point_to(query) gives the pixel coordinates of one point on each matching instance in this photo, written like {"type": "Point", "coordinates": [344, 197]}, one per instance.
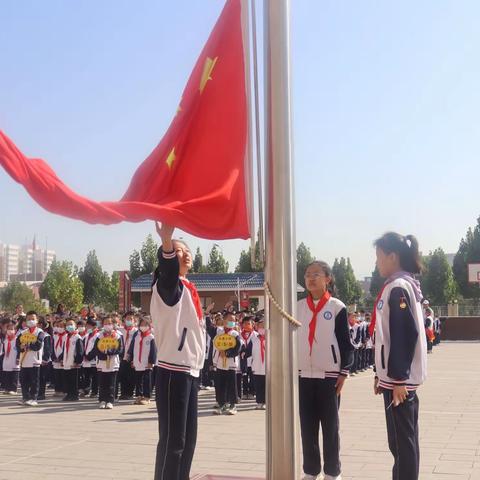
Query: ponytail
{"type": "Point", "coordinates": [406, 247]}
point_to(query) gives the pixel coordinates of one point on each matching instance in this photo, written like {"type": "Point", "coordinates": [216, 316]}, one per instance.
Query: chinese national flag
{"type": "Point", "coordinates": [195, 179]}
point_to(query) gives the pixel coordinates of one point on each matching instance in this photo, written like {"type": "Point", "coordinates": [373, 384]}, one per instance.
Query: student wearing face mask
{"type": "Point", "coordinates": [11, 360]}
{"type": "Point", "coordinates": [89, 365]}
{"type": "Point", "coordinates": [247, 333]}
{"type": "Point", "coordinates": [143, 354]}
{"type": "Point", "coordinates": [256, 353]}
{"type": "Point", "coordinates": [58, 341]}
{"type": "Point", "coordinates": [325, 355]}
{"type": "Point", "coordinates": [400, 348]}
{"type": "Point", "coordinates": [72, 359]}
{"type": "Point", "coordinates": [108, 348]}
{"type": "Point", "coordinates": [126, 374]}
{"type": "Point", "coordinates": [226, 363]}
{"type": "Point", "coordinates": [30, 347]}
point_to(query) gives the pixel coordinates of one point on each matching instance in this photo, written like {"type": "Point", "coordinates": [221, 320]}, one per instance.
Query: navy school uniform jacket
{"type": "Point", "coordinates": [231, 353]}
{"type": "Point", "coordinates": [149, 351]}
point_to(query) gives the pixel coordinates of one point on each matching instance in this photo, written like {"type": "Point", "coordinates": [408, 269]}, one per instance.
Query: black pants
{"type": "Point", "coordinates": [226, 387]}
{"type": "Point", "coordinates": [59, 382]}
{"type": "Point", "coordinates": [126, 378]}
{"type": "Point", "coordinates": [10, 381]}
{"type": "Point", "coordinates": [177, 407]}
{"type": "Point", "coordinates": [319, 405]}
{"type": "Point", "coordinates": [238, 387]}
{"type": "Point", "coordinates": [402, 431]}
{"type": "Point", "coordinates": [248, 383]}
{"type": "Point", "coordinates": [71, 383]}
{"type": "Point", "coordinates": [44, 374]}
{"type": "Point", "coordinates": [207, 374]}
{"type": "Point", "coordinates": [143, 383]}
{"type": "Point", "coordinates": [106, 386]}
{"type": "Point", "coordinates": [29, 380]}
{"type": "Point", "coordinates": [259, 388]}
{"type": "Point", "coordinates": [89, 381]}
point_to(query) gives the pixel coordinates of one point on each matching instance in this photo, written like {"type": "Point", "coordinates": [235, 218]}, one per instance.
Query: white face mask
{"type": "Point", "coordinates": [31, 323]}
{"type": "Point", "coordinates": [11, 333]}
{"type": "Point", "coordinates": [261, 331]}
{"type": "Point", "coordinates": [81, 329]}
{"type": "Point", "coordinates": [144, 328]}
{"type": "Point", "coordinates": [108, 328]}
{"type": "Point", "coordinates": [60, 330]}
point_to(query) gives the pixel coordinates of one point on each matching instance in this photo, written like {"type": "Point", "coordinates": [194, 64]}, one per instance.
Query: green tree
{"type": "Point", "coordinates": [18, 293]}
{"type": "Point", "coordinates": [348, 288]}
{"type": "Point", "coordinates": [376, 284]}
{"type": "Point", "coordinates": [245, 262]}
{"type": "Point", "coordinates": [97, 284]}
{"type": "Point", "coordinates": [304, 259]}
{"type": "Point", "coordinates": [135, 265]}
{"type": "Point", "coordinates": [216, 261]}
{"type": "Point", "coordinates": [110, 301]}
{"type": "Point", "coordinates": [468, 252]}
{"type": "Point", "coordinates": [438, 282]}
{"type": "Point", "coordinates": [148, 254]}
{"type": "Point", "coordinates": [62, 285]}
{"type": "Point", "coordinates": [198, 266]}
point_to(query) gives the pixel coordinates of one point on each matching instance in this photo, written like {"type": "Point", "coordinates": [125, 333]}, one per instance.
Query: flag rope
{"type": "Point", "coordinates": [280, 309]}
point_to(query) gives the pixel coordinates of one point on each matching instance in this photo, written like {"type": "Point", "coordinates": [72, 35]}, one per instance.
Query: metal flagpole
{"type": "Point", "coordinates": [282, 371]}
{"type": "Point", "coordinates": [261, 240]}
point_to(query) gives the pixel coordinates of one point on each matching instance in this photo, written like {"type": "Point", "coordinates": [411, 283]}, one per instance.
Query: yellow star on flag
{"type": "Point", "coordinates": [208, 67]}
{"type": "Point", "coordinates": [171, 158]}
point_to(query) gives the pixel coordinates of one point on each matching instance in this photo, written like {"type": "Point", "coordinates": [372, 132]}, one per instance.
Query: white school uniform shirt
{"type": "Point", "coordinates": [10, 362]}
{"type": "Point", "coordinates": [57, 348]}
{"type": "Point", "coordinates": [88, 343]}
{"type": "Point", "coordinates": [229, 363]}
{"type": "Point", "coordinates": [127, 338]}
{"type": "Point", "coordinates": [258, 365]}
{"type": "Point", "coordinates": [113, 363]}
{"type": "Point", "coordinates": [68, 358]}
{"type": "Point", "coordinates": [140, 364]}
{"type": "Point", "coordinates": [31, 358]}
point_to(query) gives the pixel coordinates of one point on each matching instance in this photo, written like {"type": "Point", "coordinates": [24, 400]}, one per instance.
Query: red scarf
{"type": "Point", "coordinates": [9, 344]}
{"type": "Point", "coordinates": [60, 339]}
{"type": "Point", "coordinates": [262, 347]}
{"type": "Point", "coordinates": [227, 330]}
{"type": "Point", "coordinates": [142, 336]}
{"type": "Point", "coordinates": [371, 327]}
{"type": "Point", "coordinates": [69, 336]}
{"type": "Point", "coordinates": [195, 298]}
{"type": "Point", "coordinates": [246, 335]}
{"type": "Point", "coordinates": [127, 329]}
{"type": "Point", "coordinates": [315, 310]}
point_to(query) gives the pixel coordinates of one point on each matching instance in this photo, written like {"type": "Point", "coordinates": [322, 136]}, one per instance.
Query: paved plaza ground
{"type": "Point", "coordinates": [78, 441]}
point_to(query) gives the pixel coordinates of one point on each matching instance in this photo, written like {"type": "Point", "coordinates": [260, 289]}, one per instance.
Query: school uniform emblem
{"type": "Point", "coordinates": [403, 303]}
{"type": "Point", "coordinates": [380, 305]}
{"type": "Point", "coordinates": [327, 315]}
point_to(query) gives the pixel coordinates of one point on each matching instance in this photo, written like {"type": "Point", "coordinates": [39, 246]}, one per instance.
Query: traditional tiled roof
{"type": "Point", "coordinates": [211, 281]}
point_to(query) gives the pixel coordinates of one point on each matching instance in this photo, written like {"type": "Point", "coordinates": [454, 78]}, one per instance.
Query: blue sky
{"type": "Point", "coordinates": [386, 124]}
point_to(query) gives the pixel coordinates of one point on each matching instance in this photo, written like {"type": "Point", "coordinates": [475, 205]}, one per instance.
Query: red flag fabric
{"type": "Point", "coordinates": [195, 177]}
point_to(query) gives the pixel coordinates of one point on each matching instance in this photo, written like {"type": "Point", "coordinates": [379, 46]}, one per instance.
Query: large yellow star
{"type": "Point", "coordinates": [208, 67]}
{"type": "Point", "coordinates": [171, 158]}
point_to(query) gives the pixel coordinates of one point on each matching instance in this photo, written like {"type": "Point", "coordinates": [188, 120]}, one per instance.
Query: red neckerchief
{"type": "Point", "coordinates": [227, 330]}
{"type": "Point", "coordinates": [60, 339]}
{"type": "Point", "coordinates": [195, 297]}
{"type": "Point", "coordinates": [128, 329]}
{"type": "Point", "coordinates": [262, 346]}
{"type": "Point", "coordinates": [142, 336]}
{"type": "Point", "coordinates": [371, 327]}
{"type": "Point", "coordinates": [69, 336]}
{"type": "Point", "coordinates": [315, 310]}
{"type": "Point", "coordinates": [32, 329]}
{"type": "Point", "coordinates": [92, 333]}
{"type": "Point", "coordinates": [9, 344]}
{"type": "Point", "coordinates": [246, 335]}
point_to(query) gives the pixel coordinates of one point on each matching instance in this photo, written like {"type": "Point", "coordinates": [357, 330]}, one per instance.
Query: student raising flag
{"type": "Point", "coordinates": [195, 178]}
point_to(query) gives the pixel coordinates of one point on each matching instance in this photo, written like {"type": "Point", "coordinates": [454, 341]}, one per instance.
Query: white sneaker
{"type": "Point", "coordinates": [311, 477]}
{"type": "Point", "coordinates": [258, 406]}
{"type": "Point", "coordinates": [102, 405]}
{"type": "Point", "coordinates": [217, 411]}
{"type": "Point", "coordinates": [232, 410]}
{"type": "Point", "coordinates": [331, 477]}
{"type": "Point", "coordinates": [264, 407]}
{"type": "Point", "coordinates": [109, 406]}
{"type": "Point", "coordinates": [11, 393]}
{"type": "Point", "coordinates": [22, 402]}
{"type": "Point", "coordinates": [33, 403]}
{"type": "Point", "coordinates": [209, 388]}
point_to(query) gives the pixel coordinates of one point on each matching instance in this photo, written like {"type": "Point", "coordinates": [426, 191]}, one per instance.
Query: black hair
{"type": "Point", "coordinates": [248, 319]}
{"type": "Point", "coordinates": [92, 322]}
{"type": "Point", "coordinates": [31, 312]}
{"type": "Point", "coordinates": [406, 247]}
{"type": "Point", "coordinates": [129, 313]}
{"type": "Point", "coordinates": [328, 273]}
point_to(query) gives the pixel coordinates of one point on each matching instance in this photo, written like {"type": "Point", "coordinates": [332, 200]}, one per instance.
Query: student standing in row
{"type": "Point", "coordinates": [400, 348]}
{"type": "Point", "coordinates": [11, 361]}
{"type": "Point", "coordinates": [89, 364]}
{"type": "Point", "coordinates": [325, 355]}
{"type": "Point", "coordinates": [256, 353]}
{"type": "Point", "coordinates": [58, 341]}
{"type": "Point", "coordinates": [126, 374]}
{"type": "Point", "coordinates": [30, 346]}
{"type": "Point", "coordinates": [72, 359]}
